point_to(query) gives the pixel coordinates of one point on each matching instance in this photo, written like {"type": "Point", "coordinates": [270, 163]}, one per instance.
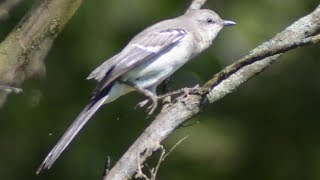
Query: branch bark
{"type": "Point", "coordinates": [304, 31]}
{"type": "Point", "coordinates": [196, 4]}
{"type": "Point", "coordinates": [23, 51]}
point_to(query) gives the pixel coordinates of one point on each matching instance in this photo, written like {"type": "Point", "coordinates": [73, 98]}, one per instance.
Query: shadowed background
{"type": "Point", "coordinates": [267, 129]}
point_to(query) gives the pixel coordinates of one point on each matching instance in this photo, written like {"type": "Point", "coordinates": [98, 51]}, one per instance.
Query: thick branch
{"type": "Point", "coordinates": [301, 33]}
{"type": "Point", "coordinates": [24, 49]}
{"type": "Point", "coordinates": [234, 75]}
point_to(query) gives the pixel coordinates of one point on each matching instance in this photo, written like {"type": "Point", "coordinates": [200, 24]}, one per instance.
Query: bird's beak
{"type": "Point", "coordinates": [228, 23]}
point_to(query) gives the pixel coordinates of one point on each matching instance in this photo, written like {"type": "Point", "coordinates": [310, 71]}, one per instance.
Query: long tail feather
{"type": "Point", "coordinates": [73, 130]}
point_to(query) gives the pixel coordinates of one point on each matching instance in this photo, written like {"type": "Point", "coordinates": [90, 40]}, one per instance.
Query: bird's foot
{"type": "Point", "coordinates": [142, 104]}
{"type": "Point", "coordinates": [154, 99]}
{"type": "Point", "coordinates": [152, 107]}
{"type": "Point", "coordinates": [185, 91]}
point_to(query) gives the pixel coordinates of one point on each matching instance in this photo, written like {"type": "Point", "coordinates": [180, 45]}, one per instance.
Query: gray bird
{"type": "Point", "coordinates": [150, 57]}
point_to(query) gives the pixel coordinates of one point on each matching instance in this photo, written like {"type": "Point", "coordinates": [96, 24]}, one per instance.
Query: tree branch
{"type": "Point", "coordinates": [300, 33]}
{"type": "Point", "coordinates": [23, 51]}
{"type": "Point", "coordinates": [197, 4]}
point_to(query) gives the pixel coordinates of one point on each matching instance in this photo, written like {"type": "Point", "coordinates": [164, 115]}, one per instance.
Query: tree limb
{"type": "Point", "coordinates": [23, 51]}
{"type": "Point", "coordinates": [302, 32]}
{"type": "Point", "coordinates": [197, 4]}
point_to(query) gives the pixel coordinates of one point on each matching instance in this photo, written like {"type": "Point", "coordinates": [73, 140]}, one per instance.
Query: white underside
{"type": "Point", "coordinates": [150, 74]}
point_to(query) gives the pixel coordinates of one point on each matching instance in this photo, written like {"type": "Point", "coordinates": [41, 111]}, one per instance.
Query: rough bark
{"type": "Point", "coordinates": [23, 51]}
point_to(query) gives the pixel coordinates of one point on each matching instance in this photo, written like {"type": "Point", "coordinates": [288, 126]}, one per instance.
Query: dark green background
{"type": "Point", "coordinates": [267, 129]}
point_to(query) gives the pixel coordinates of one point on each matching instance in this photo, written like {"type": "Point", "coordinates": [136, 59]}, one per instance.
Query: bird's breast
{"type": "Point", "coordinates": [155, 70]}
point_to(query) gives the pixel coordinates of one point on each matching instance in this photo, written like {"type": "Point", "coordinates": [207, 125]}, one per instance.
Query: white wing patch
{"type": "Point", "coordinates": [153, 49]}
{"type": "Point", "coordinates": [163, 38]}
{"type": "Point", "coordinates": [171, 32]}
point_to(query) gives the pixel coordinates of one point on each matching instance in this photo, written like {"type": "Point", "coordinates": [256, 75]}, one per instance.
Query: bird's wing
{"type": "Point", "coordinates": [99, 73]}
{"type": "Point", "coordinates": [142, 48]}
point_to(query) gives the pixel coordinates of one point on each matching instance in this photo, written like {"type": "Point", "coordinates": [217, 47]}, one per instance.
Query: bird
{"type": "Point", "coordinates": [149, 58]}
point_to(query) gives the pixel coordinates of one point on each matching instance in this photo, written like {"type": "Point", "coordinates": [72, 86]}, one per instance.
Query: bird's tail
{"type": "Point", "coordinates": [68, 136]}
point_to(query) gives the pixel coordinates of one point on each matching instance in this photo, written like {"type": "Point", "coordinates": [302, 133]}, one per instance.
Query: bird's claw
{"type": "Point", "coordinates": [142, 104]}
{"type": "Point", "coordinates": [154, 99]}
{"type": "Point", "coordinates": [152, 107]}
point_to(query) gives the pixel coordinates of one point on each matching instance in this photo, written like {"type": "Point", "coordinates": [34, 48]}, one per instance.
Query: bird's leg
{"type": "Point", "coordinates": [185, 90]}
{"type": "Point", "coordinates": [10, 89]}
{"type": "Point", "coordinates": [165, 89]}
{"type": "Point", "coordinates": [151, 97]}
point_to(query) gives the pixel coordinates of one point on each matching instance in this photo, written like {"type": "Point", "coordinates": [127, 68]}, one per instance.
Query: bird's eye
{"type": "Point", "coordinates": [209, 21]}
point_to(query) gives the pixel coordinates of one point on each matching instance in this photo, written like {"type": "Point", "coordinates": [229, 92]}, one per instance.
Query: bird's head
{"type": "Point", "coordinates": [208, 21]}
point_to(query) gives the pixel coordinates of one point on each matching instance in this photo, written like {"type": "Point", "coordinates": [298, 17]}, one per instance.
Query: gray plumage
{"type": "Point", "coordinates": [149, 58]}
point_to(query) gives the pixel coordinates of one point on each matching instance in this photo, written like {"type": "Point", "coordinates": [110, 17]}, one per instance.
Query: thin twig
{"type": "Point", "coordinates": [161, 159]}
{"type": "Point", "coordinates": [175, 146]}
{"type": "Point", "coordinates": [140, 174]}
{"type": "Point", "coordinates": [164, 155]}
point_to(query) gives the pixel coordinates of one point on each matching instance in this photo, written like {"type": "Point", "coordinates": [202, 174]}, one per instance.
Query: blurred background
{"type": "Point", "coordinates": [267, 129]}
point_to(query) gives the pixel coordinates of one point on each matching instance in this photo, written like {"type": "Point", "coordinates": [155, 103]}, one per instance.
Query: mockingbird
{"type": "Point", "coordinates": [149, 58]}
